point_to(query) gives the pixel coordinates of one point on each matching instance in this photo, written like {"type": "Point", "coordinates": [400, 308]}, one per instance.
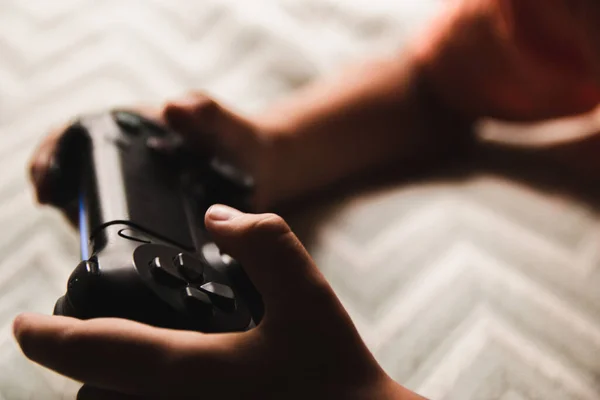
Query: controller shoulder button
{"type": "Point", "coordinates": [134, 124]}
{"type": "Point", "coordinates": [221, 295]}
{"type": "Point", "coordinates": [129, 122]}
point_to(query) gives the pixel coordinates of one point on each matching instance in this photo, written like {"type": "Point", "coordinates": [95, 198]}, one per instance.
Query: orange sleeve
{"type": "Point", "coordinates": [514, 59]}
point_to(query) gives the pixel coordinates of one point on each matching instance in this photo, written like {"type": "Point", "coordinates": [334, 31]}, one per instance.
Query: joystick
{"type": "Point", "coordinates": [146, 255]}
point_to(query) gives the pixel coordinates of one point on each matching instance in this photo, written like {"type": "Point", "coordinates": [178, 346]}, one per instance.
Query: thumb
{"type": "Point", "coordinates": [272, 256]}
{"type": "Point", "coordinates": [88, 392]}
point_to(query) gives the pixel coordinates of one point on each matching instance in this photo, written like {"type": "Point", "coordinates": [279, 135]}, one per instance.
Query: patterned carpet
{"type": "Point", "coordinates": [473, 286]}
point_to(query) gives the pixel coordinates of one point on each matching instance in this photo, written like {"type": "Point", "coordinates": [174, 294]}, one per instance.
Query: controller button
{"type": "Point", "coordinates": [130, 123]}
{"type": "Point", "coordinates": [221, 295]}
{"type": "Point", "coordinates": [198, 301]}
{"type": "Point", "coordinates": [226, 258]}
{"type": "Point", "coordinates": [213, 255]}
{"type": "Point", "coordinates": [164, 144]}
{"type": "Point", "coordinates": [189, 267]}
{"type": "Point", "coordinates": [164, 274]}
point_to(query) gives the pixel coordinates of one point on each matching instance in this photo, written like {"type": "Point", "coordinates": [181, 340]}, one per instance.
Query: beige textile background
{"type": "Point", "coordinates": [481, 287]}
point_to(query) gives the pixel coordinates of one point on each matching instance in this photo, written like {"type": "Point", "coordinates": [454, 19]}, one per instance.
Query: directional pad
{"type": "Point", "coordinates": [202, 293]}
{"type": "Point", "coordinates": [197, 301]}
{"type": "Point", "coordinates": [189, 267]}
{"type": "Point", "coordinates": [165, 273]}
{"type": "Point", "coordinates": [221, 295]}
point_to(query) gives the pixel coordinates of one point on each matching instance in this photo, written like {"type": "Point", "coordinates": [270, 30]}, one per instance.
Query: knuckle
{"type": "Point", "coordinates": [206, 107]}
{"type": "Point", "coordinates": [198, 96]}
{"type": "Point", "coordinates": [169, 108]}
{"type": "Point", "coordinates": [34, 169]}
{"type": "Point", "coordinates": [193, 103]}
{"type": "Point", "coordinates": [270, 224]}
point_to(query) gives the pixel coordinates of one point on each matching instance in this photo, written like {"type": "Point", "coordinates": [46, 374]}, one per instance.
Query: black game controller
{"type": "Point", "coordinates": [146, 254]}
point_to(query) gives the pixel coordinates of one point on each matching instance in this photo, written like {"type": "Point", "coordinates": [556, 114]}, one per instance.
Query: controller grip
{"type": "Point", "coordinates": [64, 307]}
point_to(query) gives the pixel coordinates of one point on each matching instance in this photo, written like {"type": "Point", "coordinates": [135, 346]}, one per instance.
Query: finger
{"type": "Point", "coordinates": [40, 171]}
{"type": "Point", "coordinates": [199, 119]}
{"type": "Point", "coordinates": [272, 256]}
{"type": "Point", "coordinates": [43, 167]}
{"type": "Point", "coordinates": [88, 392]}
{"type": "Point", "coordinates": [194, 116]}
{"type": "Point", "coordinates": [132, 358]}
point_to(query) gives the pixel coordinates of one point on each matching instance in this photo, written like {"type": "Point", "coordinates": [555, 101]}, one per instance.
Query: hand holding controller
{"type": "Point", "coordinates": [130, 197]}
{"type": "Point", "coordinates": [146, 254]}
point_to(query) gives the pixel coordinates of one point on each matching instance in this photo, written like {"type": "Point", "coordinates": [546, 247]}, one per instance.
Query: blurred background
{"type": "Point", "coordinates": [467, 286]}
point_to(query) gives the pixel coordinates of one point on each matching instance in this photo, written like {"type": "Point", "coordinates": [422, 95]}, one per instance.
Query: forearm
{"type": "Point", "coordinates": [374, 114]}
{"type": "Point", "coordinates": [505, 59]}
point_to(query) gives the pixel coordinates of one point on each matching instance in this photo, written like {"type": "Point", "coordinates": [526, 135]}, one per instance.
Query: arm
{"type": "Point", "coordinates": [480, 58]}
{"type": "Point", "coordinates": [373, 115]}
{"type": "Point", "coordinates": [517, 60]}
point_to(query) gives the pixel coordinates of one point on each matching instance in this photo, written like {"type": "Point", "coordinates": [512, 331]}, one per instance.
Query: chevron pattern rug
{"type": "Point", "coordinates": [478, 287]}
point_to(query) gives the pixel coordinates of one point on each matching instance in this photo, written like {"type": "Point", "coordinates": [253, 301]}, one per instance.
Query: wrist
{"type": "Point", "coordinates": [390, 114]}
{"type": "Point", "coordinates": [274, 181]}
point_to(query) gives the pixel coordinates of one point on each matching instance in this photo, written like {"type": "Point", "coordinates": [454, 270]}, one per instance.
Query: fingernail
{"type": "Point", "coordinates": [178, 116]}
{"type": "Point", "coordinates": [220, 212]}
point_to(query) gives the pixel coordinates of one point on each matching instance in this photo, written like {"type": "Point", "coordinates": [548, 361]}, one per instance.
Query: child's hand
{"type": "Point", "coordinates": [305, 347]}
{"type": "Point", "coordinates": [205, 125]}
